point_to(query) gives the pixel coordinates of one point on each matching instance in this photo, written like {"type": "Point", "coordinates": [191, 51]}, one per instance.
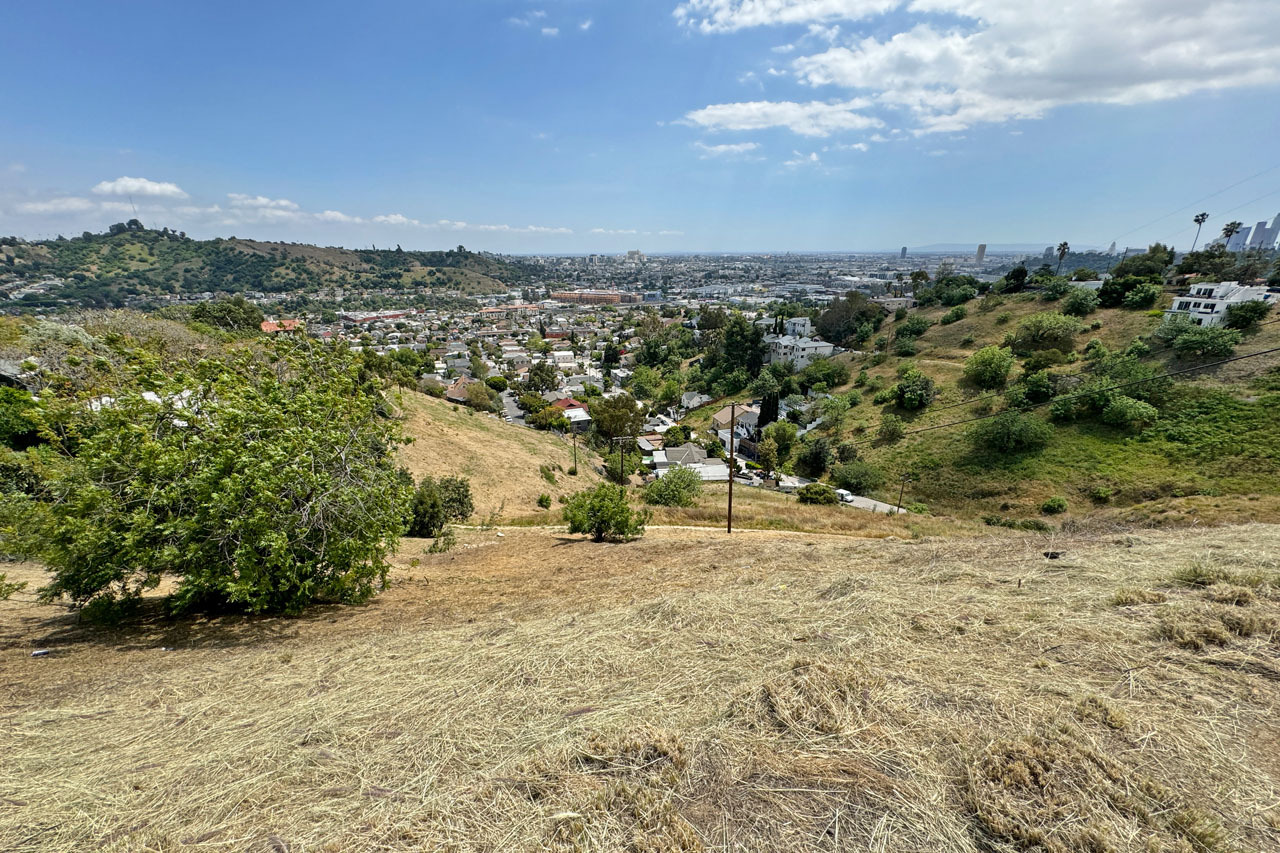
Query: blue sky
{"type": "Point", "coordinates": [665, 125]}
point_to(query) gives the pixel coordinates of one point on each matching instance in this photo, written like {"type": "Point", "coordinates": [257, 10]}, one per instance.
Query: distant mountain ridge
{"type": "Point", "coordinates": [123, 266]}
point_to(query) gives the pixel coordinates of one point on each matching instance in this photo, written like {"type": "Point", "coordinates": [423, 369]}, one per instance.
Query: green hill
{"type": "Point", "coordinates": [131, 267]}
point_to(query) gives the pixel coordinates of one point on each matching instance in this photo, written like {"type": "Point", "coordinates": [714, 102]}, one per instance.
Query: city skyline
{"type": "Point", "coordinates": [574, 126]}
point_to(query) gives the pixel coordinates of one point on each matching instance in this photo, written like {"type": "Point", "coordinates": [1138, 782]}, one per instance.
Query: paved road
{"type": "Point", "coordinates": [510, 409]}
{"type": "Point", "coordinates": [860, 502]}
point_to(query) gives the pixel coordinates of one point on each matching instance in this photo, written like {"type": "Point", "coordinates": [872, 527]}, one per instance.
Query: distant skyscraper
{"type": "Point", "coordinates": [904, 252]}
{"type": "Point", "coordinates": [1265, 237]}
{"type": "Point", "coordinates": [1239, 240]}
{"type": "Point", "coordinates": [982, 253]}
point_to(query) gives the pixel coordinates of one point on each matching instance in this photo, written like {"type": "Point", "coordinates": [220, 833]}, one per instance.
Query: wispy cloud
{"type": "Point", "coordinates": [815, 118]}
{"type": "Point", "coordinates": [260, 201]}
{"type": "Point", "coordinates": [733, 149]}
{"type": "Point", "coordinates": [799, 159]}
{"type": "Point", "coordinates": [585, 25]}
{"type": "Point", "coordinates": [551, 31]}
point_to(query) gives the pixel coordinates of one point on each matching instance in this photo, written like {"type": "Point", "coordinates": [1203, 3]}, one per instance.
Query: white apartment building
{"type": "Point", "coordinates": [801, 352]}
{"type": "Point", "coordinates": [1206, 304]}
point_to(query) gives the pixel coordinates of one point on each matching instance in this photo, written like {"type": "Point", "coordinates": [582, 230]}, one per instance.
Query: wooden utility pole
{"type": "Point", "coordinates": [733, 420]}
{"type": "Point", "coordinates": [902, 489]}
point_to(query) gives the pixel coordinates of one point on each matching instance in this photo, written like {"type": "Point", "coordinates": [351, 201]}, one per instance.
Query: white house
{"type": "Point", "coordinates": [1206, 304]}
{"type": "Point", "coordinates": [799, 327]}
{"type": "Point", "coordinates": [801, 352]}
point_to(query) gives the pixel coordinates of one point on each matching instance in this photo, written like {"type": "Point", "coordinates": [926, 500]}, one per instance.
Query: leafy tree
{"type": "Point", "coordinates": [617, 416]}
{"type": "Point", "coordinates": [603, 513]}
{"type": "Point", "coordinates": [531, 403]}
{"type": "Point", "coordinates": [1046, 330]}
{"type": "Point", "coordinates": [1212, 262]}
{"type": "Point", "coordinates": [783, 434]}
{"type": "Point", "coordinates": [481, 397]}
{"type": "Point", "coordinates": [834, 409]}
{"type": "Point", "coordinates": [497, 383]}
{"type": "Point", "coordinates": [262, 484]}
{"type": "Point", "coordinates": [1083, 274]}
{"type": "Point", "coordinates": [989, 367]}
{"type": "Point", "coordinates": [817, 493]}
{"type": "Point", "coordinates": [912, 327]}
{"type": "Point", "coordinates": [825, 371]}
{"type": "Point", "coordinates": [767, 455]}
{"type": "Point", "coordinates": [1080, 302]}
{"type": "Point", "coordinates": [955, 315]}
{"type": "Point", "coordinates": [549, 418]}
{"type": "Point", "coordinates": [915, 390]}
{"type": "Point", "coordinates": [18, 421]}
{"type": "Point", "coordinates": [543, 376]}
{"type": "Point", "coordinates": [857, 477]}
{"type": "Point", "coordinates": [852, 318]}
{"type": "Point", "coordinates": [1063, 249]}
{"type": "Point", "coordinates": [679, 486]}
{"type": "Point", "coordinates": [1142, 296]}
{"type": "Point", "coordinates": [645, 382]}
{"type": "Point", "coordinates": [1246, 315]}
{"type": "Point", "coordinates": [815, 457]}
{"type": "Point", "coordinates": [1010, 432]}
{"type": "Point", "coordinates": [1211, 342]}
{"type": "Point", "coordinates": [1014, 280]}
{"type": "Point", "coordinates": [234, 315]}
{"type": "Point", "coordinates": [436, 503]}
{"type": "Point", "coordinates": [675, 436]}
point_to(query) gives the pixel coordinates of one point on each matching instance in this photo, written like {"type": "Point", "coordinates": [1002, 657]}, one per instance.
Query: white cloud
{"type": "Point", "coordinates": [669, 233]}
{"type": "Point", "coordinates": [614, 231]}
{"type": "Point", "coordinates": [816, 118]}
{"type": "Point", "coordinates": [551, 31]}
{"type": "Point", "coordinates": [336, 216]}
{"type": "Point", "coordinates": [810, 159]}
{"type": "Point", "coordinates": [711, 16]}
{"type": "Point", "coordinates": [17, 168]}
{"type": "Point", "coordinates": [783, 48]}
{"type": "Point", "coordinates": [585, 25]}
{"type": "Point", "coordinates": [67, 204]}
{"type": "Point", "coordinates": [953, 64]}
{"type": "Point", "coordinates": [395, 219]}
{"type": "Point", "coordinates": [139, 186]}
{"type": "Point", "coordinates": [735, 149]}
{"type": "Point", "coordinates": [242, 200]}
{"type": "Point", "coordinates": [853, 146]}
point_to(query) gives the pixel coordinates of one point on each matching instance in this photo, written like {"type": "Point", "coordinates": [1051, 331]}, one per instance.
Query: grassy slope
{"type": "Point", "coordinates": [773, 691]}
{"type": "Point", "coordinates": [1219, 436]}
{"type": "Point", "coordinates": [502, 460]}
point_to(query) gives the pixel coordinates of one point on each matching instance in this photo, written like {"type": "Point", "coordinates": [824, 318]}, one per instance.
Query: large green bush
{"type": "Point", "coordinates": [817, 493]}
{"type": "Point", "coordinates": [438, 502]}
{"type": "Point", "coordinates": [1211, 342]}
{"type": "Point", "coordinates": [1010, 432]}
{"type": "Point", "coordinates": [857, 477]}
{"type": "Point", "coordinates": [989, 367]}
{"type": "Point", "coordinates": [603, 513]}
{"type": "Point", "coordinates": [1046, 330]}
{"type": "Point", "coordinates": [679, 486]}
{"type": "Point", "coordinates": [915, 390]}
{"type": "Point", "coordinates": [257, 482]}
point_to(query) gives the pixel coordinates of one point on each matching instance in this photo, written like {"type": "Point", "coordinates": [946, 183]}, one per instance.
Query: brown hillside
{"type": "Point", "coordinates": [503, 461]}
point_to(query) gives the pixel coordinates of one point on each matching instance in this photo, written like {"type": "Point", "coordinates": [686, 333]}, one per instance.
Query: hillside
{"type": "Point", "coordinates": [1214, 452]}
{"type": "Point", "coordinates": [129, 267]}
{"type": "Point", "coordinates": [689, 691]}
{"type": "Point", "coordinates": [503, 462]}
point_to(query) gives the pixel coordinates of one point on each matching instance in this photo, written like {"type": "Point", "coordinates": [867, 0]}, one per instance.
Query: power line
{"type": "Point", "coordinates": [1082, 394]}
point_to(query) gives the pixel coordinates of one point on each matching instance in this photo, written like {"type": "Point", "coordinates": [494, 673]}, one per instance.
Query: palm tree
{"type": "Point", "coordinates": [1200, 219]}
{"type": "Point", "coordinates": [1230, 230]}
{"type": "Point", "coordinates": [1063, 248]}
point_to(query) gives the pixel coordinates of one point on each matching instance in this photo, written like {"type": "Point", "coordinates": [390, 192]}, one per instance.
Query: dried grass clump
{"type": "Point", "coordinates": [1192, 630]}
{"type": "Point", "coordinates": [653, 824]}
{"type": "Point", "coordinates": [1196, 629]}
{"type": "Point", "coordinates": [1239, 596]}
{"type": "Point", "coordinates": [810, 698]}
{"type": "Point", "coordinates": [843, 587]}
{"type": "Point", "coordinates": [1099, 709]}
{"type": "Point", "coordinates": [1205, 573]}
{"type": "Point", "coordinates": [1056, 792]}
{"type": "Point", "coordinates": [638, 751]}
{"type": "Point", "coordinates": [1129, 596]}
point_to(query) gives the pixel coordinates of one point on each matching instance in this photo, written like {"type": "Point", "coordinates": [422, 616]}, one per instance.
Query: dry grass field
{"type": "Point", "coordinates": [688, 691]}
{"type": "Point", "coordinates": [502, 461]}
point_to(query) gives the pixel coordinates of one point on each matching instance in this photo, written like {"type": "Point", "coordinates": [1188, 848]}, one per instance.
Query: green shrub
{"type": "Point", "coordinates": [1003, 317]}
{"type": "Point", "coordinates": [1046, 330]}
{"type": "Point", "coordinates": [547, 474]}
{"type": "Point", "coordinates": [905, 347]}
{"type": "Point", "coordinates": [857, 477]}
{"type": "Point", "coordinates": [679, 486]}
{"type": "Point", "coordinates": [1010, 432]}
{"type": "Point", "coordinates": [891, 429]}
{"type": "Point", "coordinates": [1055, 505]}
{"type": "Point", "coordinates": [912, 327]}
{"type": "Point", "coordinates": [954, 315]}
{"type": "Point", "coordinates": [914, 390]}
{"type": "Point", "coordinates": [1128, 413]}
{"type": "Point", "coordinates": [1211, 342]}
{"type": "Point", "coordinates": [817, 493]}
{"type": "Point", "coordinates": [544, 501]}
{"type": "Point", "coordinates": [1079, 302]}
{"type": "Point", "coordinates": [603, 513]}
{"type": "Point", "coordinates": [17, 419]}
{"type": "Point", "coordinates": [918, 508]}
{"type": "Point", "coordinates": [438, 502]}
{"type": "Point", "coordinates": [989, 367]}
{"type": "Point", "coordinates": [885, 396]}
{"type": "Point", "coordinates": [1142, 296]}
{"type": "Point", "coordinates": [1246, 315]}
